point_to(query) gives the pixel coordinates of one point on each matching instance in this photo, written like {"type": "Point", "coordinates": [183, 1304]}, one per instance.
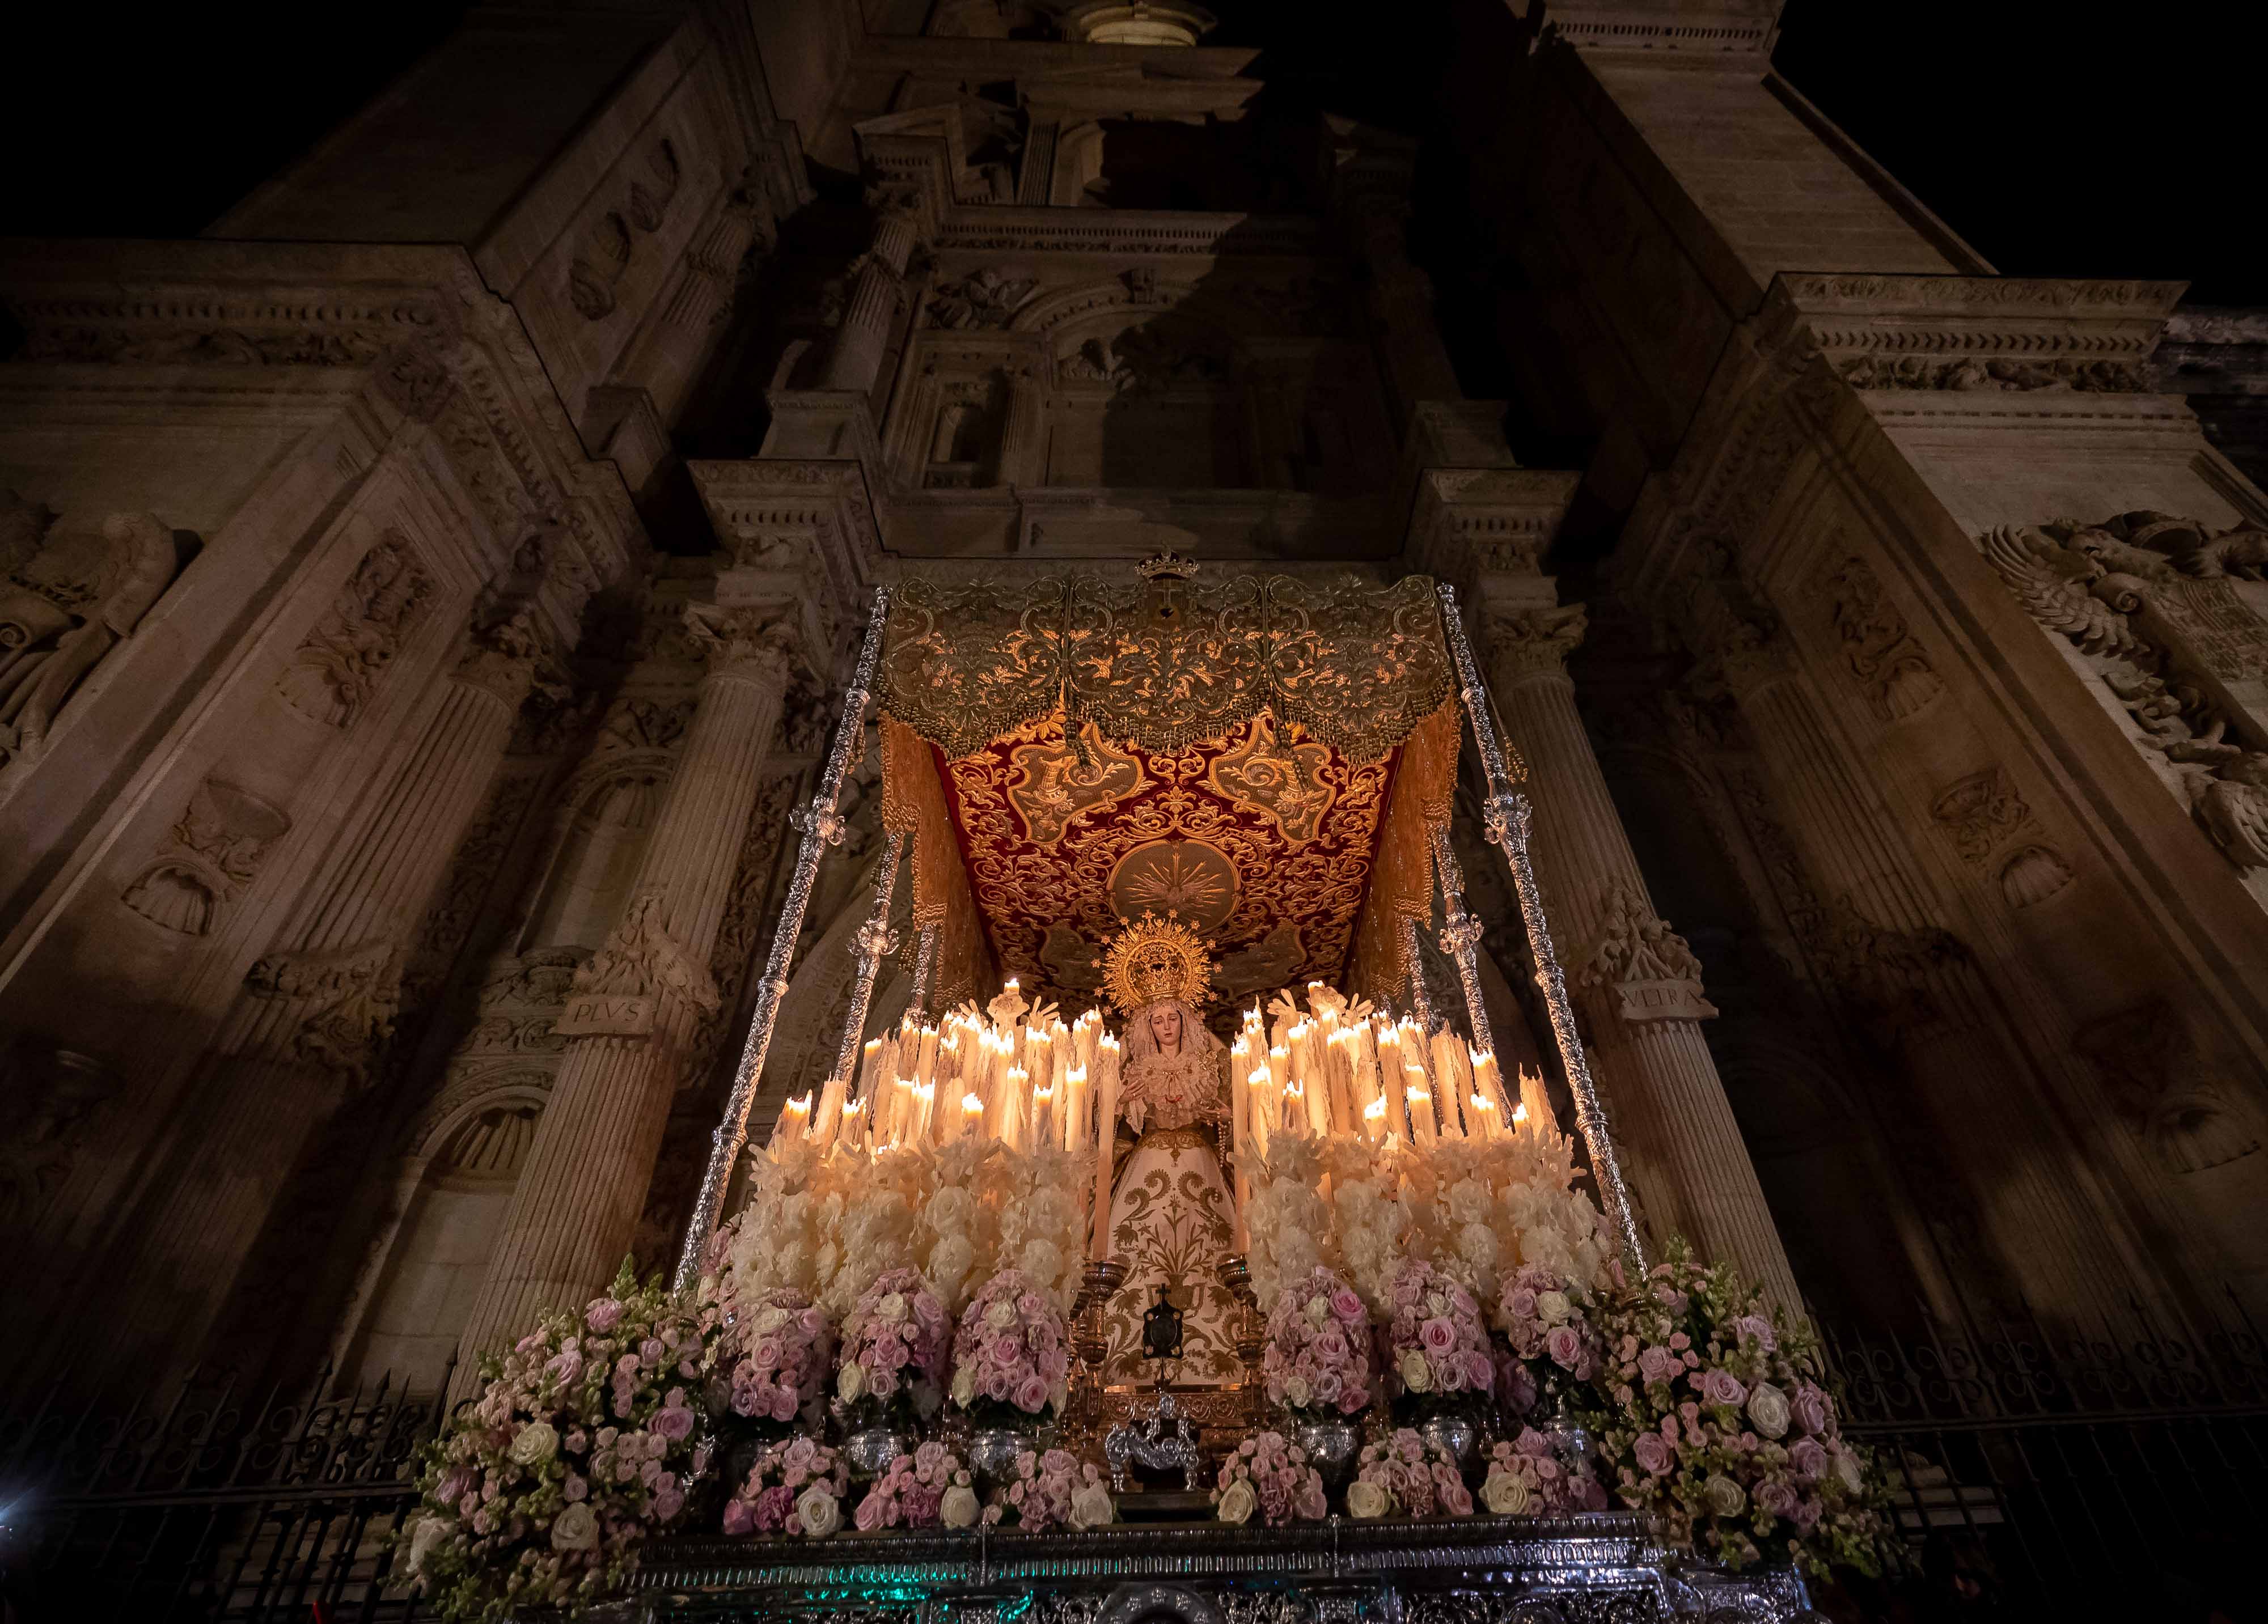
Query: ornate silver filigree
{"type": "Point", "coordinates": [1145, 1442]}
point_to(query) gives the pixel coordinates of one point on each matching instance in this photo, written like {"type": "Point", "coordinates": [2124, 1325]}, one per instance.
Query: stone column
{"type": "Point", "coordinates": [1642, 984]}
{"type": "Point", "coordinates": [1024, 435]}
{"type": "Point", "coordinates": [311, 1025]}
{"type": "Point", "coordinates": [1877, 940]}
{"type": "Point", "coordinates": [1035, 181]}
{"type": "Point", "coordinates": [634, 1005]}
{"type": "Point", "coordinates": [864, 334]}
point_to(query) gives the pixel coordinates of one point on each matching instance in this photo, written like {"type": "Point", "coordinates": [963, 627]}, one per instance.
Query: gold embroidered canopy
{"type": "Point", "coordinates": [1165, 662]}
{"type": "Point", "coordinates": [1240, 753]}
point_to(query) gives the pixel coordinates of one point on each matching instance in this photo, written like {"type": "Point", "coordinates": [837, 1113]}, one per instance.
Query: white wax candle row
{"type": "Point", "coordinates": [1319, 1072]}
{"type": "Point", "coordinates": [1027, 1084]}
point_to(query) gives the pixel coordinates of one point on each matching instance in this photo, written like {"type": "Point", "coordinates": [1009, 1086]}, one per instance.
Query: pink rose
{"type": "Point", "coordinates": [667, 1503]}
{"type": "Point", "coordinates": [1346, 1306]}
{"type": "Point", "coordinates": [1721, 1386]}
{"type": "Point", "coordinates": [1309, 1503]}
{"type": "Point", "coordinates": [1776, 1498]}
{"type": "Point", "coordinates": [1005, 1350]}
{"type": "Point", "coordinates": [999, 1385]}
{"type": "Point", "coordinates": [870, 1511]}
{"type": "Point", "coordinates": [882, 1383]}
{"type": "Point", "coordinates": [775, 1506]}
{"type": "Point", "coordinates": [1755, 1328]}
{"type": "Point", "coordinates": [574, 1488]}
{"type": "Point", "coordinates": [1810, 1408]}
{"type": "Point", "coordinates": [1030, 1306]}
{"type": "Point", "coordinates": [784, 1404]}
{"type": "Point", "coordinates": [768, 1353]}
{"type": "Point", "coordinates": [1653, 1453]}
{"type": "Point", "coordinates": [1808, 1459]}
{"type": "Point", "coordinates": [1657, 1364]}
{"type": "Point", "coordinates": [1565, 1345]}
{"type": "Point", "coordinates": [1031, 1394]}
{"type": "Point", "coordinates": [1521, 1304]}
{"type": "Point", "coordinates": [738, 1519]}
{"type": "Point", "coordinates": [674, 1423]}
{"type": "Point", "coordinates": [1352, 1400]}
{"type": "Point", "coordinates": [1456, 1497]}
{"type": "Point", "coordinates": [1437, 1335]}
{"type": "Point", "coordinates": [652, 1351]}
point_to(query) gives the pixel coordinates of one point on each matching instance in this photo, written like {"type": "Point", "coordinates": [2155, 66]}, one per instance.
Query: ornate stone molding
{"type": "Point", "coordinates": [2144, 599]}
{"type": "Point", "coordinates": [750, 644]}
{"type": "Point", "coordinates": [207, 860]}
{"type": "Point", "coordinates": [1879, 650]}
{"type": "Point", "coordinates": [1528, 642]}
{"type": "Point", "coordinates": [350, 997]}
{"type": "Point", "coordinates": [1648, 967]}
{"type": "Point", "coordinates": [620, 991]}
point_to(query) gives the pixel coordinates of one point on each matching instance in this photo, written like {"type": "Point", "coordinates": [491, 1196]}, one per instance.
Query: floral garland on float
{"type": "Point", "coordinates": [586, 1441]}
{"type": "Point", "coordinates": [1051, 1488]}
{"type": "Point", "coordinates": [891, 1371]}
{"type": "Point", "coordinates": [1406, 1475]}
{"type": "Point", "coordinates": [1269, 1474]}
{"type": "Point", "coordinates": [797, 1485]}
{"type": "Point", "coordinates": [928, 1488]}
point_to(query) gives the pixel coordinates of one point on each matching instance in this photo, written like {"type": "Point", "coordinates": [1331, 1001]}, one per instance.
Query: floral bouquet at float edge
{"type": "Point", "coordinates": [891, 1365]}
{"type": "Point", "coordinates": [1439, 1348]}
{"type": "Point", "coordinates": [1717, 1421]}
{"type": "Point", "coordinates": [928, 1488]}
{"type": "Point", "coordinates": [773, 1358]}
{"type": "Point", "coordinates": [1317, 1360]}
{"type": "Point", "coordinates": [1045, 1489]}
{"type": "Point", "coordinates": [1010, 1358]}
{"type": "Point", "coordinates": [1270, 1474]}
{"type": "Point", "coordinates": [1548, 1320]}
{"type": "Point", "coordinates": [584, 1440]}
{"type": "Point", "coordinates": [1405, 1475]}
{"type": "Point", "coordinates": [796, 1486]}
{"type": "Point", "coordinates": [1526, 1478]}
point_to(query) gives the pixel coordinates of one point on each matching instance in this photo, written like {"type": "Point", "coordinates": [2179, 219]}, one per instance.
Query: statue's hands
{"type": "Point", "coordinates": [1135, 1112]}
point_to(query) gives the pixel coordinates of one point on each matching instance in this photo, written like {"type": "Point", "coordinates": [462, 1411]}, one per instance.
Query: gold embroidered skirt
{"type": "Point", "coordinates": [1170, 1226]}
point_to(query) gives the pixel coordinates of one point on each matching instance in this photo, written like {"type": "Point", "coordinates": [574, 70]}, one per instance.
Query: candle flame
{"type": "Point", "coordinates": [1077, 1074]}
{"type": "Point", "coordinates": [1375, 1109]}
{"type": "Point", "coordinates": [1519, 1112]}
{"type": "Point", "coordinates": [971, 1105]}
{"type": "Point", "coordinates": [1481, 1102]}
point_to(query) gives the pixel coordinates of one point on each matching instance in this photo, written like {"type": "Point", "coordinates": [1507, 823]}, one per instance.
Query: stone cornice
{"type": "Point", "coordinates": [1003, 228]}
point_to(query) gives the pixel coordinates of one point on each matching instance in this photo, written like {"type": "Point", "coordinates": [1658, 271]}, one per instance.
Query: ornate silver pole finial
{"type": "Point", "coordinates": [1508, 816]}
{"type": "Point", "coordinates": [1460, 939]}
{"type": "Point", "coordinates": [874, 942]}
{"type": "Point", "coordinates": [822, 826]}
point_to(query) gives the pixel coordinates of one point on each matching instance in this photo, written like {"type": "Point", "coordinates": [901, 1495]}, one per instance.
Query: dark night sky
{"type": "Point", "coordinates": [2056, 144]}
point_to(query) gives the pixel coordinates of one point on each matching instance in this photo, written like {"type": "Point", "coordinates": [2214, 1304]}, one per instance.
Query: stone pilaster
{"type": "Point", "coordinates": [311, 1027]}
{"type": "Point", "coordinates": [1666, 1102]}
{"type": "Point", "coordinates": [632, 1012]}
{"type": "Point", "coordinates": [1876, 939]}
{"type": "Point", "coordinates": [1023, 436]}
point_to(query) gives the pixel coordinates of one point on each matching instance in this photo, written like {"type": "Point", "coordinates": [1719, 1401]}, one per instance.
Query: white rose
{"type": "Point", "coordinates": [959, 1507]}
{"type": "Point", "coordinates": [1846, 1471]}
{"type": "Point", "coordinates": [429, 1533]}
{"type": "Point", "coordinates": [852, 1384]}
{"type": "Point", "coordinates": [818, 1512]}
{"type": "Point", "coordinates": [1001, 1314]}
{"type": "Point", "coordinates": [1319, 1311]}
{"type": "Point", "coordinates": [964, 1385]}
{"type": "Point", "coordinates": [892, 1308]}
{"type": "Point", "coordinates": [537, 1443]}
{"type": "Point", "coordinates": [1366, 1499]}
{"type": "Point", "coordinates": [1416, 1375]}
{"type": "Point", "coordinates": [1237, 1503]}
{"type": "Point", "coordinates": [1505, 1494]}
{"type": "Point", "coordinates": [575, 1528]}
{"type": "Point", "coordinates": [1724, 1497]}
{"type": "Point", "coordinates": [1436, 1305]}
{"type": "Point", "coordinates": [1768, 1408]}
{"type": "Point", "coordinates": [1296, 1391]}
{"type": "Point", "coordinates": [1091, 1507]}
{"type": "Point", "coordinates": [770, 1321]}
{"type": "Point", "coordinates": [1551, 1307]}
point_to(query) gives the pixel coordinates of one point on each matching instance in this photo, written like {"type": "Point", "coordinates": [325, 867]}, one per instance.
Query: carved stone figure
{"type": "Point", "coordinates": [65, 603]}
{"type": "Point", "coordinates": [336, 671]}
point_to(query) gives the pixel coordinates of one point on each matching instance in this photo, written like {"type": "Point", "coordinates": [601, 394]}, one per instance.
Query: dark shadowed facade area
{"type": "Point", "coordinates": [447, 457]}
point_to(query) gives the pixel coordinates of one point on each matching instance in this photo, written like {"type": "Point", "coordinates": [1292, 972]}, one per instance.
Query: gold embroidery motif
{"type": "Point", "coordinates": [1058, 786]}
{"type": "Point", "coordinates": [1286, 782]}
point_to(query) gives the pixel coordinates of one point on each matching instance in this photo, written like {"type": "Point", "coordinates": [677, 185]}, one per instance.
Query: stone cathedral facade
{"type": "Point", "coordinates": [425, 597]}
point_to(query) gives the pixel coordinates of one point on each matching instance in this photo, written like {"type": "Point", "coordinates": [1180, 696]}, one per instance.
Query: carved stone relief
{"type": "Point", "coordinates": [336, 671]}
{"type": "Point", "coordinates": [605, 256]}
{"type": "Point", "coordinates": [985, 298]}
{"type": "Point", "coordinates": [1969, 372]}
{"type": "Point", "coordinates": [66, 603]}
{"type": "Point", "coordinates": [520, 1001]}
{"type": "Point", "coordinates": [207, 860]}
{"type": "Point", "coordinates": [619, 991]}
{"type": "Point", "coordinates": [2171, 1093]}
{"type": "Point", "coordinates": [2105, 589]}
{"type": "Point", "coordinates": [59, 1098]}
{"type": "Point", "coordinates": [1980, 812]}
{"type": "Point", "coordinates": [1878, 649]}
{"type": "Point", "coordinates": [349, 998]}
{"type": "Point", "coordinates": [1653, 973]}
{"type": "Point", "coordinates": [1525, 641]}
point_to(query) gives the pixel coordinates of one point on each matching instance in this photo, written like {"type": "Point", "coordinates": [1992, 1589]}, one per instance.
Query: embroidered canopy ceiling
{"type": "Point", "coordinates": [1227, 752]}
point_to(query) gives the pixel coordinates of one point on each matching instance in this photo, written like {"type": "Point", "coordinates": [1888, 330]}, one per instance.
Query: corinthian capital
{"type": "Point", "coordinates": [619, 991]}
{"type": "Point", "coordinates": [1647, 965]}
{"type": "Point", "coordinates": [754, 644]}
{"type": "Point", "coordinates": [1525, 641]}
{"type": "Point", "coordinates": [503, 658]}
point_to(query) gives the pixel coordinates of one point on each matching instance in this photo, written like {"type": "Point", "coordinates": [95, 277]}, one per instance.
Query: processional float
{"type": "Point", "coordinates": [1075, 685]}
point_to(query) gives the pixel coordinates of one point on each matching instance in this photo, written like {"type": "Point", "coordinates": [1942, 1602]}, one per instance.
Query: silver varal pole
{"type": "Point", "coordinates": [1508, 817]}
{"type": "Point", "coordinates": [925, 966]}
{"type": "Point", "coordinates": [874, 942]}
{"type": "Point", "coordinates": [822, 826]}
{"type": "Point", "coordinates": [1420, 1000]}
{"type": "Point", "coordinates": [1461, 937]}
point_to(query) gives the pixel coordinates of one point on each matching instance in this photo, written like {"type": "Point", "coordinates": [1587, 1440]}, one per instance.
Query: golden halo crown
{"type": "Point", "coordinates": [1155, 959]}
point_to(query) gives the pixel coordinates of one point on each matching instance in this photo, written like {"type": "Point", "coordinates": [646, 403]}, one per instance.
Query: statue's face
{"type": "Point", "coordinates": [1166, 1028]}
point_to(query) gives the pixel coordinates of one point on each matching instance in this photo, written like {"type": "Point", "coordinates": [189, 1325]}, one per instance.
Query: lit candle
{"type": "Point", "coordinates": [1105, 1120]}
{"type": "Point", "coordinates": [1445, 1046]}
{"type": "Point", "coordinates": [1073, 1136]}
{"type": "Point", "coordinates": [1013, 1098]}
{"type": "Point", "coordinates": [925, 1098]}
{"type": "Point", "coordinates": [972, 1116]}
{"type": "Point", "coordinates": [1259, 1089]}
{"type": "Point", "coordinates": [828, 1115]}
{"type": "Point", "coordinates": [1043, 1117]}
{"type": "Point", "coordinates": [1373, 1120]}
{"type": "Point", "coordinates": [853, 1135]}
{"type": "Point", "coordinates": [794, 1122]}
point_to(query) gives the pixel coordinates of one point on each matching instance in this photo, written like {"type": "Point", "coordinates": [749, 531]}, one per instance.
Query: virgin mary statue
{"type": "Point", "coordinates": [1170, 1212]}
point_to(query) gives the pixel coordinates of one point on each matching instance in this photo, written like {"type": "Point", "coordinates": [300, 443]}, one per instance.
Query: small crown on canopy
{"type": "Point", "coordinates": [1155, 959]}
{"type": "Point", "coordinates": [1167, 566]}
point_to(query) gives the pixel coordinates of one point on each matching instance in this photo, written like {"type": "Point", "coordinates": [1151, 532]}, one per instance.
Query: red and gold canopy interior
{"type": "Point", "coordinates": [1264, 761]}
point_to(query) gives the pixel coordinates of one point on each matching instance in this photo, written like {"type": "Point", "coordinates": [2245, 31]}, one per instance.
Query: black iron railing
{"type": "Point", "coordinates": [207, 1505]}
{"type": "Point", "coordinates": [2078, 1477]}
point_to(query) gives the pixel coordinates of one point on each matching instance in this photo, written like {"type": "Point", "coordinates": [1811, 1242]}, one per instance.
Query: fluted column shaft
{"type": "Point", "coordinates": [1023, 436]}
{"type": "Point", "coordinates": [1878, 942]}
{"type": "Point", "coordinates": [1668, 1105]}
{"type": "Point", "coordinates": [634, 1010]}
{"type": "Point", "coordinates": [864, 334]}
{"type": "Point", "coordinates": [311, 1024]}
